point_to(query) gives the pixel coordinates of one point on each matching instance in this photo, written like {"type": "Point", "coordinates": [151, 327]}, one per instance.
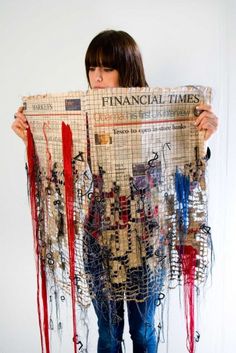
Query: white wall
{"type": "Point", "coordinates": [42, 50]}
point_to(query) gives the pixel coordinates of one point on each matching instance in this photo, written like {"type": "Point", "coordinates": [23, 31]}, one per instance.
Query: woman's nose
{"type": "Point", "coordinates": [98, 74]}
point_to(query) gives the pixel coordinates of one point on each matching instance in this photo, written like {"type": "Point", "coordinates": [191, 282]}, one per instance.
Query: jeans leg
{"type": "Point", "coordinates": [142, 325]}
{"type": "Point", "coordinates": [110, 316]}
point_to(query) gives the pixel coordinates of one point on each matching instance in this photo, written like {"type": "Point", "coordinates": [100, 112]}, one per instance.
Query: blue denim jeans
{"type": "Point", "coordinates": [142, 330]}
{"type": "Point", "coordinates": [110, 313]}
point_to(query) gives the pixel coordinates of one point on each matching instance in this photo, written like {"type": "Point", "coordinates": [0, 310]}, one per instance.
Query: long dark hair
{"type": "Point", "coordinates": [117, 50]}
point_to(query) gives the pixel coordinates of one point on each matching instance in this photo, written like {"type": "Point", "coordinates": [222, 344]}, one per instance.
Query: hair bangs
{"type": "Point", "coordinates": [101, 55]}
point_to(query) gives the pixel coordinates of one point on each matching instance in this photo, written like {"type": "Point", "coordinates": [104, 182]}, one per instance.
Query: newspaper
{"type": "Point", "coordinates": [137, 221]}
{"type": "Point", "coordinates": [132, 147]}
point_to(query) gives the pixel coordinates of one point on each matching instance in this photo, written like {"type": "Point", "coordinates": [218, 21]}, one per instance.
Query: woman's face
{"type": "Point", "coordinates": [103, 77]}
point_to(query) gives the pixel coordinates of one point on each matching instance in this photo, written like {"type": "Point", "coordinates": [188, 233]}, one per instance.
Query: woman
{"type": "Point", "coordinates": [113, 60]}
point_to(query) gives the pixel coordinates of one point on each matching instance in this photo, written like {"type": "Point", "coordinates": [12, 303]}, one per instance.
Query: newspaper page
{"type": "Point", "coordinates": [143, 143]}
{"type": "Point", "coordinates": [46, 114]}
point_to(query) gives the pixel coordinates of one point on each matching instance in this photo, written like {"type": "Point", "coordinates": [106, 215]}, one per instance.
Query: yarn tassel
{"type": "Point", "coordinates": [41, 289]}
{"type": "Point", "coordinates": [188, 260]}
{"type": "Point", "coordinates": [182, 187]}
{"type": "Point", "coordinates": [69, 198]}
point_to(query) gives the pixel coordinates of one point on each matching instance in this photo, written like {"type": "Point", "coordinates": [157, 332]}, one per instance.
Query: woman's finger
{"type": "Point", "coordinates": [21, 109]}
{"type": "Point", "coordinates": [204, 106]}
{"type": "Point", "coordinates": [21, 132]}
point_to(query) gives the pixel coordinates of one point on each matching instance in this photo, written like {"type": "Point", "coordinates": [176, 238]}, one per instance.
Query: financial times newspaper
{"type": "Point", "coordinates": [139, 208]}
{"type": "Point", "coordinates": [131, 146]}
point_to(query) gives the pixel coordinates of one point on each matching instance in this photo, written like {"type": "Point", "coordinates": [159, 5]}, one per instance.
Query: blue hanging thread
{"type": "Point", "coordinates": [182, 187]}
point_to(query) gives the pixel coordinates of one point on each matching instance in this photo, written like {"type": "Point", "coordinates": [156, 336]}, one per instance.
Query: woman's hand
{"type": "Point", "coordinates": [206, 121]}
{"type": "Point", "coordinates": [20, 124]}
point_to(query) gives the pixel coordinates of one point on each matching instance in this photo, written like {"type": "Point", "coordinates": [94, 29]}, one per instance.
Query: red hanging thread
{"type": "Point", "coordinates": [41, 290]}
{"type": "Point", "coordinates": [69, 198]}
{"type": "Point", "coordinates": [188, 260]}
